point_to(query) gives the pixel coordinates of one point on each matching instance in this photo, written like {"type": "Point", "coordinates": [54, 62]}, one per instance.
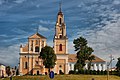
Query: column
{"type": "Point", "coordinates": [55, 46]}
{"type": "Point", "coordinates": [33, 46]}
{"type": "Point", "coordinates": [43, 69]}
{"type": "Point", "coordinates": [66, 65]}
{"type": "Point", "coordinates": [95, 67]}
{"type": "Point", "coordinates": [40, 46]}
{"type": "Point", "coordinates": [66, 46]}
{"type": "Point", "coordinates": [20, 66]}
{"type": "Point", "coordinates": [72, 66]}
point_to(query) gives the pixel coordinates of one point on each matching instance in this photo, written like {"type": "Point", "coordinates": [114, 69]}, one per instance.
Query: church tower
{"type": "Point", "coordinates": [60, 44]}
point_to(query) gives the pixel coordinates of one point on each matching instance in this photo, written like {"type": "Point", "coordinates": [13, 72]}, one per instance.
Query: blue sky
{"type": "Point", "coordinates": [96, 20]}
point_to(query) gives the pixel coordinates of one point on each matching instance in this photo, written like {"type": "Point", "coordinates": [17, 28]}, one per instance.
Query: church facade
{"type": "Point", "coordinates": [30, 63]}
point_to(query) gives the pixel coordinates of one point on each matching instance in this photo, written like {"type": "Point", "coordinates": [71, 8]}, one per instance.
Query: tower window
{"type": "Point", "coordinates": [60, 20]}
{"type": "Point", "coordinates": [25, 65]}
{"type": "Point", "coordinates": [36, 49]}
{"type": "Point", "coordinates": [60, 36]}
{"type": "Point", "coordinates": [60, 47]}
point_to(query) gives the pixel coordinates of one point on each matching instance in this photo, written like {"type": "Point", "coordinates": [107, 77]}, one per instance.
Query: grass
{"type": "Point", "coordinates": [66, 77]}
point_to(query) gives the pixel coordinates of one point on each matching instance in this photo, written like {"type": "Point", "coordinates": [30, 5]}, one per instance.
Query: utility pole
{"type": "Point", "coordinates": [111, 57]}
{"type": "Point", "coordinates": [108, 64]}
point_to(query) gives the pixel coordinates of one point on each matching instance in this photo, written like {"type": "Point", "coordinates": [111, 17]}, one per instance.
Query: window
{"type": "Point", "coordinates": [31, 45]}
{"type": "Point", "coordinates": [60, 47]}
{"type": "Point", "coordinates": [60, 21]}
{"type": "Point", "coordinates": [36, 49]}
{"type": "Point", "coordinates": [70, 66]}
{"type": "Point", "coordinates": [60, 66]}
{"type": "Point", "coordinates": [36, 42]}
{"type": "Point", "coordinates": [60, 36]}
{"type": "Point", "coordinates": [25, 65]}
{"type": "Point", "coordinates": [42, 43]}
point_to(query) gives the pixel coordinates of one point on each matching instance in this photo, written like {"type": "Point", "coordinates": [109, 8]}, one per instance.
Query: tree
{"type": "Point", "coordinates": [83, 52]}
{"type": "Point", "coordinates": [118, 66]}
{"type": "Point", "coordinates": [49, 57]}
{"type": "Point", "coordinates": [8, 72]}
{"type": "Point", "coordinates": [90, 58]}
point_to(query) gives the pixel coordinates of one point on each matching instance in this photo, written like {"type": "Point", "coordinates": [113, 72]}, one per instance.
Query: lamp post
{"type": "Point", "coordinates": [108, 64]}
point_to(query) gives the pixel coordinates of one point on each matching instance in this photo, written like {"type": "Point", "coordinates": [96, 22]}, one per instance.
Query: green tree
{"type": "Point", "coordinates": [118, 65]}
{"type": "Point", "coordinates": [49, 57]}
{"type": "Point", "coordinates": [8, 72]}
{"type": "Point", "coordinates": [90, 58]}
{"type": "Point", "coordinates": [83, 52]}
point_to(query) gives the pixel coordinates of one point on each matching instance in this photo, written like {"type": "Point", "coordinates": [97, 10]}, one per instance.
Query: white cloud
{"type": "Point", "coordinates": [38, 5]}
{"type": "Point", "coordinates": [41, 28]}
{"type": "Point", "coordinates": [81, 4]}
{"type": "Point", "coordinates": [10, 55]}
{"type": "Point", "coordinates": [116, 2]}
{"type": "Point", "coordinates": [46, 22]}
{"type": "Point", "coordinates": [104, 41]}
{"type": "Point", "coordinates": [2, 1]}
{"type": "Point", "coordinates": [19, 1]}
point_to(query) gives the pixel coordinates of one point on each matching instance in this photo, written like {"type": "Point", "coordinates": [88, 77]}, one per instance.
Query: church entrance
{"type": "Point", "coordinates": [60, 72]}
{"type": "Point", "coordinates": [38, 73]}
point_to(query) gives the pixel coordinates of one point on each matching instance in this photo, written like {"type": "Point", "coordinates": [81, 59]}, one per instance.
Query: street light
{"type": "Point", "coordinates": [108, 64]}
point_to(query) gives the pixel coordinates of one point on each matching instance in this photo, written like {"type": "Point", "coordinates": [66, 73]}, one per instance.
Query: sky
{"type": "Point", "coordinates": [96, 20]}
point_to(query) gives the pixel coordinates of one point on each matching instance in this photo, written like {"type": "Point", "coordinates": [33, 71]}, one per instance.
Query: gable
{"type": "Point", "coordinates": [37, 35]}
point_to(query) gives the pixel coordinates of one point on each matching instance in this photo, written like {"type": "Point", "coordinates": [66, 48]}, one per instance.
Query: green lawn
{"type": "Point", "coordinates": [66, 77]}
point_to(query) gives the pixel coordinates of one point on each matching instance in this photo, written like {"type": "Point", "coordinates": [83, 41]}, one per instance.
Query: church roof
{"type": "Point", "coordinates": [72, 58]}
{"type": "Point", "coordinates": [37, 35]}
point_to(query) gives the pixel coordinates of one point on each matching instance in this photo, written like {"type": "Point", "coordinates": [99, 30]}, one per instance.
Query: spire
{"type": "Point", "coordinates": [60, 5]}
{"type": "Point", "coordinates": [60, 8]}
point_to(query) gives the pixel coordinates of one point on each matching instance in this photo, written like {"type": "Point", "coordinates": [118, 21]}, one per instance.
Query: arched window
{"type": "Point", "coordinates": [60, 47]}
{"type": "Point", "coordinates": [60, 21]}
{"type": "Point", "coordinates": [26, 65]}
{"type": "Point", "coordinates": [37, 49]}
{"type": "Point", "coordinates": [60, 36]}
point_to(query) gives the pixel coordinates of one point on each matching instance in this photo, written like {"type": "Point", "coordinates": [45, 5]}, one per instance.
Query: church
{"type": "Point", "coordinates": [30, 63]}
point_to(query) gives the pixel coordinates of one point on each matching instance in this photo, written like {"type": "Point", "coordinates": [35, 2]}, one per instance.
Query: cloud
{"type": "Point", "coordinates": [104, 41]}
{"type": "Point", "coordinates": [19, 1]}
{"type": "Point", "coordinates": [10, 55]}
{"type": "Point", "coordinates": [116, 2]}
{"type": "Point", "coordinates": [41, 28]}
{"type": "Point", "coordinates": [46, 22]}
{"type": "Point", "coordinates": [2, 1]}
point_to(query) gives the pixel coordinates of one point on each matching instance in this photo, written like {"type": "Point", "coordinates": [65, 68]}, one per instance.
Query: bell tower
{"type": "Point", "coordinates": [60, 37]}
{"type": "Point", "coordinates": [60, 44]}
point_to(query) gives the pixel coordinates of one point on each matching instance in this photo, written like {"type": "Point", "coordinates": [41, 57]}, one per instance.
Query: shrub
{"type": "Point", "coordinates": [71, 72]}
{"type": "Point", "coordinates": [105, 72]}
{"type": "Point", "coordinates": [101, 72]}
{"type": "Point", "coordinates": [98, 72]}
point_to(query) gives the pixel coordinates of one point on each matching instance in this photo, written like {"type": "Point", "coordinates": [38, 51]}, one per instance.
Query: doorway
{"type": "Point", "coordinates": [37, 72]}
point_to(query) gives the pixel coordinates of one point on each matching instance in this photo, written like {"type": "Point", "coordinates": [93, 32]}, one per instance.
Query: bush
{"type": "Point", "coordinates": [71, 72]}
{"type": "Point", "coordinates": [101, 72]}
{"type": "Point", "coordinates": [98, 72]}
{"type": "Point", "coordinates": [105, 72]}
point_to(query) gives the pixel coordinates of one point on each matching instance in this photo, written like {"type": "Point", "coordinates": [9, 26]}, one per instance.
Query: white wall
{"type": "Point", "coordinates": [96, 66]}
